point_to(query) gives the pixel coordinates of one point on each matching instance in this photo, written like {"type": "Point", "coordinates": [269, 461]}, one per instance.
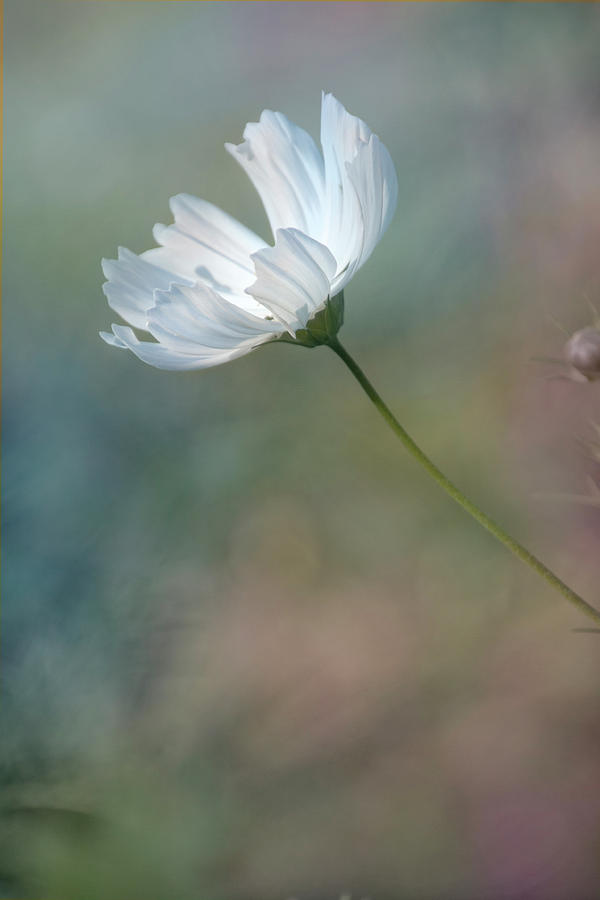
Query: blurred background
{"type": "Point", "coordinates": [249, 650]}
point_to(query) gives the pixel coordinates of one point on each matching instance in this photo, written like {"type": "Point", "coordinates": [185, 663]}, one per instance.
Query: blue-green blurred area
{"type": "Point", "coordinates": [249, 651]}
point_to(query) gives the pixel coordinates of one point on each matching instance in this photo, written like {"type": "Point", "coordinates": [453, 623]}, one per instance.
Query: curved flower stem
{"type": "Point", "coordinates": [451, 489]}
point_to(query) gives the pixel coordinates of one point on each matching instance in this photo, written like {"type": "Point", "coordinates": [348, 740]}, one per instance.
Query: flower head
{"type": "Point", "coordinates": [213, 290]}
{"type": "Point", "coordinates": [582, 353]}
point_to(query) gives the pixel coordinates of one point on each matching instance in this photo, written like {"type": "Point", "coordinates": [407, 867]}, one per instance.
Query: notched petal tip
{"type": "Point", "coordinates": [158, 232]}
{"type": "Point", "coordinates": [243, 149]}
{"type": "Point", "coordinates": [178, 199]}
{"type": "Point", "coordinates": [162, 298]}
{"type": "Point", "coordinates": [112, 340]}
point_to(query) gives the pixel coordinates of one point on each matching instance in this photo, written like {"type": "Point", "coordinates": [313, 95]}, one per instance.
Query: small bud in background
{"type": "Point", "coordinates": [582, 353]}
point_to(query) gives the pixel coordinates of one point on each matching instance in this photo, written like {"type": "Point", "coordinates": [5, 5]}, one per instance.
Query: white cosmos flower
{"type": "Point", "coordinates": [214, 290]}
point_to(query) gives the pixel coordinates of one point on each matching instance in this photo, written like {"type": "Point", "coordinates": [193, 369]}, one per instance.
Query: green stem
{"type": "Point", "coordinates": [454, 492]}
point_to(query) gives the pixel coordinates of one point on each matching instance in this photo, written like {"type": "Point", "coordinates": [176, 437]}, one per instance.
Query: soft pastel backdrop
{"type": "Point", "coordinates": [249, 651]}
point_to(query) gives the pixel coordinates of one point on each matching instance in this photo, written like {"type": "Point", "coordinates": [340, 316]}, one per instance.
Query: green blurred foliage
{"type": "Point", "coordinates": [248, 650]}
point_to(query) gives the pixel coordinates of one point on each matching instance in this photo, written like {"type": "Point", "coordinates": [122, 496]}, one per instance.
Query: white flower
{"type": "Point", "coordinates": [214, 290]}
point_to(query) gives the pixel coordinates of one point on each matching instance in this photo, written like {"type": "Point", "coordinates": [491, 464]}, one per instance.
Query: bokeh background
{"type": "Point", "coordinates": [249, 651]}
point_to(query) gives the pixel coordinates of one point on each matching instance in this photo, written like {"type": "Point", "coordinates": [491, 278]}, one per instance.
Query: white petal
{"type": "Point", "coordinates": [112, 340]}
{"type": "Point", "coordinates": [131, 283]}
{"type": "Point", "coordinates": [208, 244]}
{"type": "Point", "coordinates": [361, 188]}
{"type": "Point", "coordinates": [195, 318]}
{"type": "Point", "coordinates": [195, 328]}
{"type": "Point", "coordinates": [293, 277]}
{"type": "Point", "coordinates": [341, 134]}
{"type": "Point", "coordinates": [374, 179]}
{"type": "Point", "coordinates": [286, 168]}
{"type": "Point", "coordinates": [210, 225]}
{"type": "Point", "coordinates": [163, 357]}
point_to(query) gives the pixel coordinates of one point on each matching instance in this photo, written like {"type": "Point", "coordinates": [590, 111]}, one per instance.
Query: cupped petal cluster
{"type": "Point", "coordinates": [213, 290]}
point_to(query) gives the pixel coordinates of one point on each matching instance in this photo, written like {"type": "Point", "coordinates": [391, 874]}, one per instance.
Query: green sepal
{"type": "Point", "coordinates": [323, 326]}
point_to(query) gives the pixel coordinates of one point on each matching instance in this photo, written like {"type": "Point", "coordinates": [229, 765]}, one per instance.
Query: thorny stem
{"type": "Point", "coordinates": [451, 489]}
